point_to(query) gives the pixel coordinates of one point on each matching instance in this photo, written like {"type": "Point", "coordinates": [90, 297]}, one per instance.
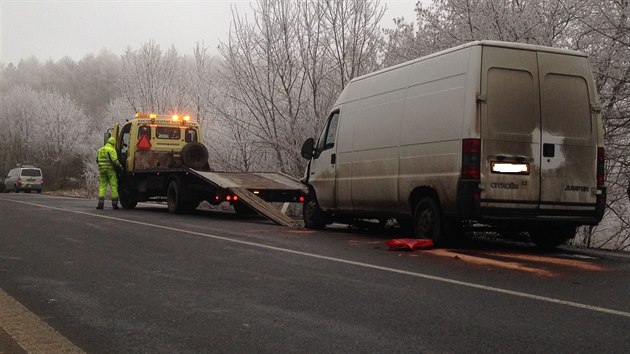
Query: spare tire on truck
{"type": "Point", "coordinates": [194, 155]}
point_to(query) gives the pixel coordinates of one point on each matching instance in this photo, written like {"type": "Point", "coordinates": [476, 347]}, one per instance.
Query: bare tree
{"type": "Point", "coordinates": [286, 67]}
{"type": "Point", "coordinates": [44, 128]}
{"type": "Point", "coordinates": [154, 81]}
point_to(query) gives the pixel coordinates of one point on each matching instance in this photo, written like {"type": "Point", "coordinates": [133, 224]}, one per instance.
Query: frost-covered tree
{"type": "Point", "coordinates": [44, 128]}
{"type": "Point", "coordinates": [155, 81]}
{"type": "Point", "coordinates": [604, 33]}
{"type": "Point", "coordinates": [283, 69]}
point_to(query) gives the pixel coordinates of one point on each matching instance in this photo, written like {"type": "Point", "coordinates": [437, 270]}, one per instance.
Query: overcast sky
{"type": "Point", "coordinates": [52, 29]}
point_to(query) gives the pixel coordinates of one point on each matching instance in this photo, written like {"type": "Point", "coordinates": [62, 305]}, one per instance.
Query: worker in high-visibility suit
{"type": "Point", "coordinates": [108, 164]}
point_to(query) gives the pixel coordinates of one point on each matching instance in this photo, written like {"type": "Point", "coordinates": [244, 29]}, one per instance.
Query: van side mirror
{"type": "Point", "coordinates": [308, 148]}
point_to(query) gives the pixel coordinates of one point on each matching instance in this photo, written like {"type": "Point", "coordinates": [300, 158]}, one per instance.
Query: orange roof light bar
{"type": "Point", "coordinates": [174, 118]}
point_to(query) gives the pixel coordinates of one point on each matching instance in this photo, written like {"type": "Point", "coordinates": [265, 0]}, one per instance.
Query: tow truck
{"type": "Point", "coordinates": [164, 159]}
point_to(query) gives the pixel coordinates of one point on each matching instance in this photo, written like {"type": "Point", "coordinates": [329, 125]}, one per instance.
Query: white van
{"type": "Point", "coordinates": [25, 178]}
{"type": "Point", "coordinates": [502, 134]}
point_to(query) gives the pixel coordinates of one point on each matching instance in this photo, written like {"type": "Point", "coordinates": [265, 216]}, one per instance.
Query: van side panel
{"type": "Point", "coordinates": [431, 127]}
{"type": "Point", "coordinates": [345, 139]}
{"type": "Point", "coordinates": [376, 116]}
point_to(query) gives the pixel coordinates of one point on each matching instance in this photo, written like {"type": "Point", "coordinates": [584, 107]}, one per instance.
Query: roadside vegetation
{"type": "Point", "coordinates": [277, 74]}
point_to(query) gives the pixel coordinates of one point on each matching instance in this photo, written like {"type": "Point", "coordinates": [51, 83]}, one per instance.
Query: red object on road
{"type": "Point", "coordinates": [409, 244]}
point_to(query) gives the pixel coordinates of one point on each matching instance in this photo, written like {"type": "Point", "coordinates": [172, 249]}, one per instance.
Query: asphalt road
{"type": "Point", "coordinates": [148, 281]}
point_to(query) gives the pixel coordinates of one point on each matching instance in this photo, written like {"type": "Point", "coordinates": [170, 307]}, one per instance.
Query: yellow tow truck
{"type": "Point", "coordinates": [164, 159]}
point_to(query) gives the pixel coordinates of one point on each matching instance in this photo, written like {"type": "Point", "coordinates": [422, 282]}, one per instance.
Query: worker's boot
{"type": "Point", "coordinates": [115, 204]}
{"type": "Point", "coordinates": [101, 203]}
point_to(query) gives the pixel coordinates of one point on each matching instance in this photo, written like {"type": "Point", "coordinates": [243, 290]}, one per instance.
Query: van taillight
{"type": "Point", "coordinates": [600, 166]}
{"type": "Point", "coordinates": [471, 159]}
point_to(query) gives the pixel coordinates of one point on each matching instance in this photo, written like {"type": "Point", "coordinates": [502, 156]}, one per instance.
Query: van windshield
{"type": "Point", "coordinates": [31, 172]}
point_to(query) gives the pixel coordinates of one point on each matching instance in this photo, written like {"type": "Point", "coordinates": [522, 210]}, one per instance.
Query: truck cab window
{"type": "Point", "coordinates": [327, 140]}
{"type": "Point", "coordinates": [144, 130]}
{"type": "Point", "coordinates": [191, 135]}
{"type": "Point", "coordinates": [125, 134]}
{"type": "Point", "coordinates": [167, 133]}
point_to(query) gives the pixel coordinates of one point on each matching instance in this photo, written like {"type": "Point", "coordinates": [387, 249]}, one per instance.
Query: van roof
{"type": "Point", "coordinates": [487, 43]}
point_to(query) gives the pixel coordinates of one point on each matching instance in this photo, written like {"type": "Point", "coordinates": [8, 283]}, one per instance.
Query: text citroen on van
{"type": "Point", "coordinates": [503, 134]}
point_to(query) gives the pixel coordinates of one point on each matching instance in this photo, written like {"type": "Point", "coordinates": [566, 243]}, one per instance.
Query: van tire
{"type": "Point", "coordinates": [314, 217]}
{"type": "Point", "coordinates": [427, 220]}
{"type": "Point", "coordinates": [551, 236]}
{"type": "Point", "coordinates": [194, 155]}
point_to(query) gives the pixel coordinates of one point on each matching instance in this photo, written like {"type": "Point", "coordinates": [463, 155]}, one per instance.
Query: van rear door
{"type": "Point", "coordinates": [569, 139]}
{"type": "Point", "coordinates": [510, 119]}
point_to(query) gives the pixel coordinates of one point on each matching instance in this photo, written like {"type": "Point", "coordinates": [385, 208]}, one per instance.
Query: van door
{"type": "Point", "coordinates": [510, 118]}
{"type": "Point", "coordinates": [569, 139]}
{"type": "Point", "coordinates": [322, 169]}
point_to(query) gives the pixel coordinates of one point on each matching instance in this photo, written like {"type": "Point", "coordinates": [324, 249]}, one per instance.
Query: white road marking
{"type": "Point", "coordinates": [354, 263]}
{"type": "Point", "coordinates": [29, 331]}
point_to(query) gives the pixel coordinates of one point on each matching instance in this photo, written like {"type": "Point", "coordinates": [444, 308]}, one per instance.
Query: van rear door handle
{"type": "Point", "coordinates": [333, 159]}
{"type": "Point", "coordinates": [549, 150]}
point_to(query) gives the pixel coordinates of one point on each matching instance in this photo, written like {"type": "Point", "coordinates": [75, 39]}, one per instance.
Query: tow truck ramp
{"type": "Point", "coordinates": [263, 207]}
{"type": "Point", "coordinates": [242, 184]}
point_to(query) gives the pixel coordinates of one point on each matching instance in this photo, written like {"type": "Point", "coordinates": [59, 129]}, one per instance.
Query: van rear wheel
{"type": "Point", "coordinates": [427, 220]}
{"type": "Point", "coordinates": [551, 236]}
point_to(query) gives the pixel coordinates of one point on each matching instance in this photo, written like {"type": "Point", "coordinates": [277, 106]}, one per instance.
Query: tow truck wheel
{"type": "Point", "coordinates": [427, 220]}
{"type": "Point", "coordinates": [128, 199]}
{"type": "Point", "coordinates": [176, 201]}
{"type": "Point", "coordinates": [194, 155]}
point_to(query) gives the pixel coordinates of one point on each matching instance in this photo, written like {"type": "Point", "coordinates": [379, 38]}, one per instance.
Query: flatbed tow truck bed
{"type": "Point", "coordinates": [247, 186]}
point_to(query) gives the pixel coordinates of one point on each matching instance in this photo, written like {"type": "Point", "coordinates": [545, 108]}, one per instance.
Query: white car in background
{"type": "Point", "coordinates": [24, 178]}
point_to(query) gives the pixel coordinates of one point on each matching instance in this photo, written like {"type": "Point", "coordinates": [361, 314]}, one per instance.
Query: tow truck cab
{"type": "Point", "coordinates": [152, 141]}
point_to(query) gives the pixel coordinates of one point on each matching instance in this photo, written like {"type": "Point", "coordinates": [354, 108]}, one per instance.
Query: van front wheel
{"type": "Point", "coordinates": [427, 220]}
{"type": "Point", "coordinates": [314, 217]}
